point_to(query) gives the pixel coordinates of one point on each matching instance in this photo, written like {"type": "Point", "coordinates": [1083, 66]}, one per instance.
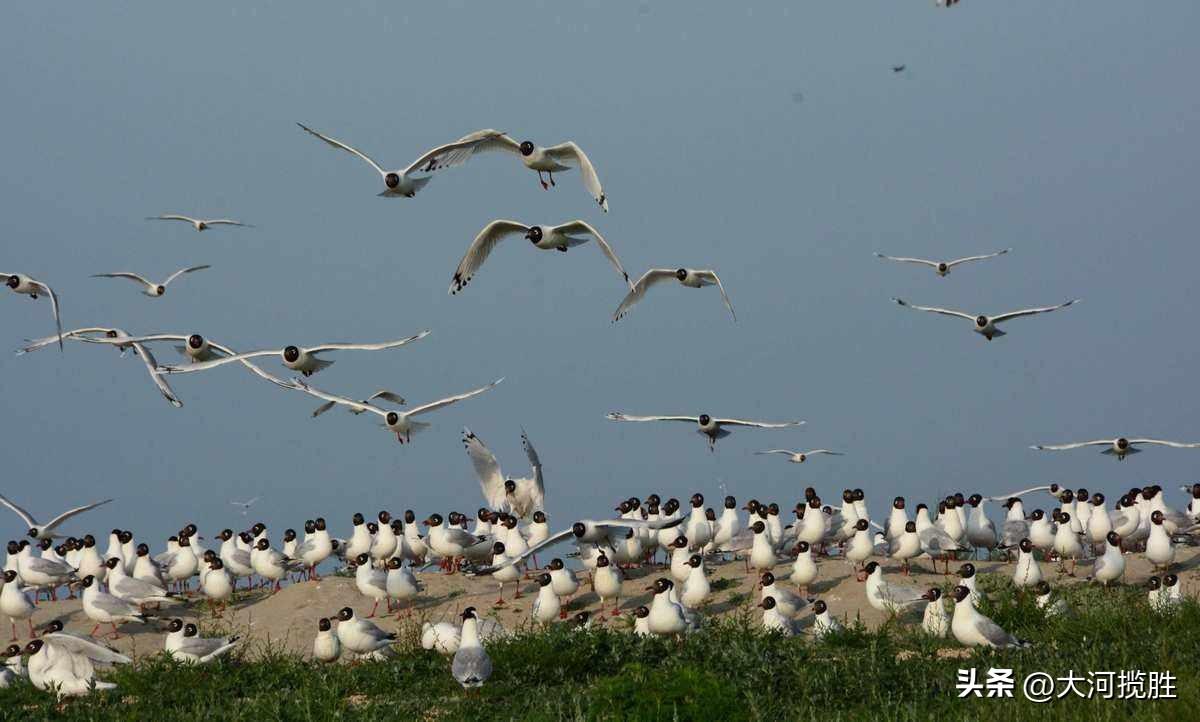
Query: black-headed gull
{"type": "Point", "coordinates": [711, 427]}
{"type": "Point", "coordinates": [401, 183]}
{"type": "Point", "coordinates": [400, 423]}
{"type": "Point", "coordinates": [471, 665]}
{"type": "Point", "coordinates": [551, 160]}
{"type": "Point", "coordinates": [150, 288]}
{"type": "Point", "coordinates": [65, 667]}
{"type": "Point", "coordinates": [943, 268]}
{"type": "Point", "coordinates": [200, 224]}
{"type": "Point", "coordinates": [360, 635]}
{"type": "Point", "coordinates": [799, 457]}
{"type": "Point", "coordinates": [690, 277]}
{"type": "Point", "coordinates": [185, 644]}
{"type": "Point", "coordinates": [1119, 447]}
{"type": "Point", "coordinates": [520, 496]}
{"type": "Point", "coordinates": [585, 531]}
{"type": "Point", "coordinates": [47, 531]}
{"type": "Point", "coordinates": [384, 394]}
{"type": "Point", "coordinates": [27, 286]}
{"type": "Point", "coordinates": [973, 629]}
{"type": "Point", "coordinates": [306, 360]}
{"type": "Point", "coordinates": [562, 237]}
{"type": "Point", "coordinates": [986, 326]}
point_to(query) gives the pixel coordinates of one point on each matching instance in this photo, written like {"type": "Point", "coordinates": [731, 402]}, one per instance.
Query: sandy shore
{"type": "Point", "coordinates": [288, 619]}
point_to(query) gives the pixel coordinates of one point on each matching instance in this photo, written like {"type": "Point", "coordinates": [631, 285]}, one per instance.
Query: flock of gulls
{"type": "Point", "coordinates": [499, 543]}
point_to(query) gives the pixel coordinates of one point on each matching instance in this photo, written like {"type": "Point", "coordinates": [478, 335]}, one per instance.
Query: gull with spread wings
{"type": "Point", "coordinates": [200, 224]}
{"type": "Point", "coordinates": [401, 183]}
{"type": "Point", "coordinates": [521, 497]}
{"type": "Point", "coordinates": [711, 427]}
{"type": "Point", "coordinates": [550, 160]}
{"type": "Point", "coordinates": [943, 268]}
{"type": "Point", "coordinates": [799, 457]}
{"type": "Point", "coordinates": [47, 531]}
{"type": "Point", "coordinates": [690, 277]}
{"type": "Point", "coordinates": [27, 286]}
{"type": "Point", "coordinates": [150, 288]}
{"type": "Point", "coordinates": [1119, 447]}
{"type": "Point", "coordinates": [297, 358]}
{"type": "Point", "coordinates": [986, 326]}
{"type": "Point", "coordinates": [562, 238]}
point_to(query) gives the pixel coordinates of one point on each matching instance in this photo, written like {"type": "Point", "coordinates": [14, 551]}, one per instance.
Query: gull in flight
{"type": "Point", "coordinates": [297, 358]}
{"type": "Point", "coordinates": [690, 277]}
{"type": "Point", "coordinates": [245, 505]}
{"type": "Point", "coordinates": [400, 183]}
{"type": "Point", "coordinates": [943, 268]}
{"type": "Point", "coordinates": [709, 426]}
{"type": "Point", "coordinates": [47, 531]}
{"type": "Point", "coordinates": [522, 497]}
{"type": "Point", "coordinates": [150, 288]}
{"type": "Point", "coordinates": [400, 423]}
{"type": "Point", "coordinates": [198, 223]}
{"type": "Point", "coordinates": [986, 326]}
{"type": "Point", "coordinates": [551, 160]}
{"type": "Point", "coordinates": [1119, 447]}
{"type": "Point", "coordinates": [384, 394]}
{"type": "Point", "coordinates": [27, 286]}
{"type": "Point", "coordinates": [546, 237]}
{"type": "Point", "coordinates": [799, 457]}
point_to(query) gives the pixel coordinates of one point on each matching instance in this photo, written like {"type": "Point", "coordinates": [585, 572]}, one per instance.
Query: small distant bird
{"type": "Point", "coordinates": [245, 505]}
{"type": "Point", "coordinates": [27, 286]}
{"type": "Point", "coordinates": [689, 277]}
{"type": "Point", "coordinates": [150, 288]}
{"type": "Point", "coordinates": [401, 183]}
{"type": "Point", "coordinates": [551, 160]}
{"type": "Point", "coordinates": [562, 237]}
{"type": "Point", "coordinates": [799, 457]}
{"type": "Point", "coordinates": [471, 665]}
{"type": "Point", "coordinates": [197, 223]}
{"type": "Point", "coordinates": [709, 426]}
{"type": "Point", "coordinates": [986, 326]}
{"type": "Point", "coordinates": [47, 531]}
{"type": "Point", "coordinates": [942, 268]}
{"type": "Point", "coordinates": [945, 3]}
{"type": "Point", "coordinates": [898, 68]}
{"type": "Point", "coordinates": [1119, 447]}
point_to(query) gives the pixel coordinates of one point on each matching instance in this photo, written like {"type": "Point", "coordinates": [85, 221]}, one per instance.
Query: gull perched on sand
{"type": "Point", "coordinates": [150, 288]}
{"type": "Point", "coordinates": [200, 224]}
{"type": "Point", "coordinates": [402, 183]}
{"type": "Point", "coordinates": [799, 457]}
{"type": "Point", "coordinates": [400, 423]}
{"type": "Point", "coordinates": [562, 237]}
{"type": "Point", "coordinates": [306, 360]}
{"type": "Point", "coordinates": [1119, 447]}
{"type": "Point", "coordinates": [943, 268]}
{"type": "Point", "coordinates": [986, 326]}
{"type": "Point", "coordinates": [550, 160]}
{"type": "Point", "coordinates": [689, 277]}
{"type": "Point", "coordinates": [27, 286]}
{"type": "Point", "coordinates": [711, 427]}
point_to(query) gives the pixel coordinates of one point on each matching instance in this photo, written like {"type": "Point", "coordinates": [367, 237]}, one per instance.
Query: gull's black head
{"type": "Point", "coordinates": [910, 527]}
{"type": "Point", "coordinates": [358, 519]}
{"type": "Point", "coordinates": [981, 321]}
{"type": "Point", "coordinates": [579, 529]}
{"type": "Point", "coordinates": [291, 354]}
{"type": "Point", "coordinates": [176, 625]}
{"type": "Point", "coordinates": [967, 570]}
{"type": "Point", "coordinates": [526, 148]}
{"type": "Point", "coordinates": [681, 273]}
{"type": "Point", "coordinates": [961, 593]}
{"type": "Point", "coordinates": [534, 234]}
{"type": "Point", "coordinates": [391, 180]}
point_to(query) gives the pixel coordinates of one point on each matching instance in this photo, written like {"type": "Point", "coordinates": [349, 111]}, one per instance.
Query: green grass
{"type": "Point", "coordinates": [729, 671]}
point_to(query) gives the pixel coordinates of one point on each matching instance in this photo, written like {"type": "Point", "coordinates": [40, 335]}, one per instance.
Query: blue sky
{"type": "Point", "coordinates": [1059, 130]}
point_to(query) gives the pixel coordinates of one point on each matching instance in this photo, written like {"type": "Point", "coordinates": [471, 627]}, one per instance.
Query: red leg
{"type": "Point", "coordinates": [372, 614]}
{"type": "Point", "coordinates": [31, 634]}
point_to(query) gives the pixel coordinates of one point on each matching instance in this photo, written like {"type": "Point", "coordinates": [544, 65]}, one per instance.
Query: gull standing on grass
{"type": "Point", "coordinates": [26, 286]}
{"type": "Point", "coordinates": [943, 268]}
{"type": "Point", "coordinates": [973, 629]}
{"type": "Point", "coordinates": [689, 277]}
{"type": "Point", "coordinates": [198, 223]}
{"type": "Point", "coordinates": [471, 665]}
{"type": "Point", "coordinates": [562, 237]}
{"type": "Point", "coordinates": [986, 326]}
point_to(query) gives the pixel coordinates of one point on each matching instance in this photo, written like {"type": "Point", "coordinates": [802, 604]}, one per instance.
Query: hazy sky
{"type": "Point", "coordinates": [768, 141]}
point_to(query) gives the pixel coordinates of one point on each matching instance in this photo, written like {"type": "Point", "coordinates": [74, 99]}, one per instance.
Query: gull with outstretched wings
{"type": "Point", "coordinates": [986, 326]}
{"type": "Point", "coordinates": [942, 268]}
{"type": "Point", "coordinates": [1119, 447]}
{"type": "Point", "coordinates": [200, 224]}
{"type": "Point", "coordinates": [711, 427]}
{"type": "Point", "coordinates": [689, 277]}
{"type": "Point", "coordinates": [150, 288]}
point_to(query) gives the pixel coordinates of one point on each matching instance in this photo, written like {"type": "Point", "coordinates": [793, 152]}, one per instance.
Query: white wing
{"type": "Point", "coordinates": [534, 462]}
{"type": "Point", "coordinates": [777, 451]}
{"type": "Point", "coordinates": [171, 217]}
{"type": "Point", "coordinates": [387, 396]}
{"type": "Point", "coordinates": [182, 271]}
{"type": "Point", "coordinates": [1064, 447]}
{"type": "Point", "coordinates": [124, 274]}
{"type": "Point", "coordinates": [452, 154]}
{"type": "Point", "coordinates": [481, 248]}
{"type": "Point", "coordinates": [299, 385]}
{"type": "Point", "coordinates": [571, 153]}
{"type": "Point", "coordinates": [491, 478]}
{"type": "Point", "coordinates": [494, 140]}
{"type": "Point", "coordinates": [1022, 492]}
{"type": "Point", "coordinates": [366, 346]}
{"type": "Point", "coordinates": [35, 344]}
{"type": "Point", "coordinates": [26, 516]}
{"type": "Point", "coordinates": [931, 309]}
{"type": "Point", "coordinates": [54, 307]}
{"type": "Point", "coordinates": [649, 279]}
{"type": "Point", "coordinates": [1159, 442]}
{"type": "Point", "coordinates": [617, 416]}
{"type": "Point", "coordinates": [758, 424]}
{"type": "Point", "coordinates": [903, 259]}
{"type": "Point", "coordinates": [452, 399]}
{"type": "Point", "coordinates": [1031, 311]}
{"type": "Point", "coordinates": [713, 275]}
{"type": "Point", "coordinates": [205, 365]}
{"type": "Point", "coordinates": [339, 144]}
{"type": "Point", "coordinates": [161, 383]}
{"type": "Point", "coordinates": [823, 451]}
{"type": "Point", "coordinates": [577, 226]}
{"type": "Point", "coordinates": [226, 222]}
{"type": "Point", "coordinates": [72, 512]}
{"type": "Point", "coordinates": [968, 259]}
